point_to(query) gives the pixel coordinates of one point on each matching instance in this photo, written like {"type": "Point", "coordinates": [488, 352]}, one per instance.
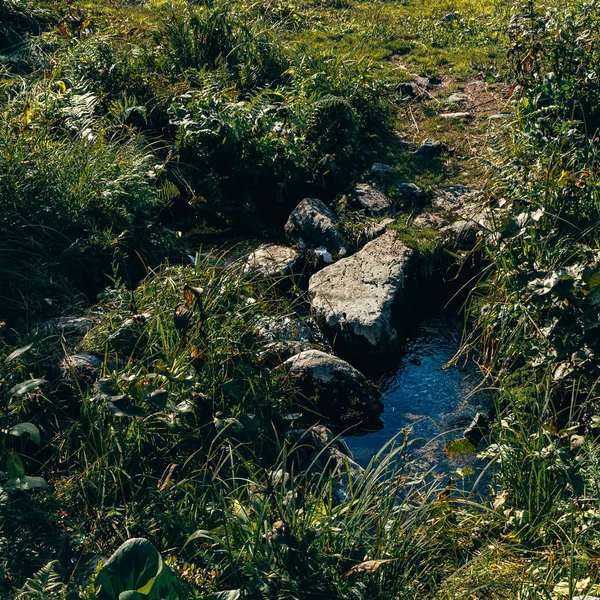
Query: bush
{"type": "Point", "coordinates": [70, 195]}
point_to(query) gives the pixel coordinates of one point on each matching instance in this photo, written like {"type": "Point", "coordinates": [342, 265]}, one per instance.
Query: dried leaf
{"type": "Point", "coordinates": [198, 356]}
{"type": "Point", "coordinates": [369, 566]}
{"type": "Point", "coordinates": [182, 316]}
{"type": "Point", "coordinates": [166, 477]}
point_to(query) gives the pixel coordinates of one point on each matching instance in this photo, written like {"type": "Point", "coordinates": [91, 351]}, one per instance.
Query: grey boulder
{"type": "Point", "coordinates": [85, 368]}
{"type": "Point", "coordinates": [333, 390]}
{"type": "Point", "coordinates": [372, 200]}
{"type": "Point", "coordinates": [356, 296]}
{"type": "Point", "coordinates": [313, 224]}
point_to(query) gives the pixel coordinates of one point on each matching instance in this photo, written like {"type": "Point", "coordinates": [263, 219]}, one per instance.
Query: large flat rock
{"type": "Point", "coordinates": [356, 295]}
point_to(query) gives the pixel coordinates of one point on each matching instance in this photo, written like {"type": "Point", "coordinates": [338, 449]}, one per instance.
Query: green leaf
{"type": "Point", "coordinates": [459, 446]}
{"type": "Point", "coordinates": [25, 386]}
{"type": "Point", "coordinates": [226, 595]}
{"type": "Point", "coordinates": [136, 570]}
{"type": "Point", "coordinates": [203, 534]}
{"type": "Point", "coordinates": [25, 483]}
{"type": "Point", "coordinates": [14, 466]}
{"type": "Point", "coordinates": [25, 429]}
{"type": "Point", "coordinates": [16, 353]}
{"type": "Point", "coordinates": [131, 595]}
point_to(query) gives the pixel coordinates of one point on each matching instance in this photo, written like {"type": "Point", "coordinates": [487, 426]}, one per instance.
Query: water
{"type": "Point", "coordinates": [437, 402]}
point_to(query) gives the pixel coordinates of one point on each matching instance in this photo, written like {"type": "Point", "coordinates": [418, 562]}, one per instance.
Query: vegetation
{"type": "Point", "coordinates": [171, 465]}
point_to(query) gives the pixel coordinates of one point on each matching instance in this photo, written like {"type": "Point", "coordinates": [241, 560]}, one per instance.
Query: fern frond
{"type": "Point", "coordinates": [80, 115]}
{"type": "Point", "coordinates": [44, 585]}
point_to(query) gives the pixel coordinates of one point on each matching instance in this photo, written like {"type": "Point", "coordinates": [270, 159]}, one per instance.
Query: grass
{"type": "Point", "coordinates": [127, 128]}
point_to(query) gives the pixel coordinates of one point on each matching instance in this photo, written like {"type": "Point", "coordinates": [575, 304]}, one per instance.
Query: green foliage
{"type": "Point", "coordinates": [136, 571]}
{"type": "Point", "coordinates": [71, 195]}
{"type": "Point", "coordinates": [46, 584]}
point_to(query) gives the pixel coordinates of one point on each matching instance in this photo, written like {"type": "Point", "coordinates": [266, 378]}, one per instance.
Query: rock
{"type": "Point", "coordinates": [275, 353]}
{"type": "Point", "coordinates": [313, 224]}
{"type": "Point", "coordinates": [457, 98]}
{"type": "Point", "coordinates": [315, 451]}
{"type": "Point", "coordinates": [283, 338]}
{"type": "Point", "coordinates": [462, 233]}
{"type": "Point", "coordinates": [67, 326]}
{"type": "Point", "coordinates": [423, 82]}
{"type": "Point", "coordinates": [356, 295]}
{"type": "Point", "coordinates": [431, 220]}
{"type": "Point", "coordinates": [334, 390]}
{"type": "Point", "coordinates": [272, 260]}
{"type": "Point", "coordinates": [457, 115]}
{"type": "Point", "coordinates": [372, 200]}
{"type": "Point", "coordinates": [285, 329]}
{"type": "Point", "coordinates": [411, 191]}
{"type": "Point", "coordinates": [430, 148]}
{"type": "Point", "coordinates": [380, 169]}
{"type": "Point", "coordinates": [450, 18]}
{"type": "Point", "coordinates": [458, 212]}
{"type": "Point", "coordinates": [476, 431]}
{"type": "Point", "coordinates": [83, 367]}
{"type": "Point", "coordinates": [454, 196]}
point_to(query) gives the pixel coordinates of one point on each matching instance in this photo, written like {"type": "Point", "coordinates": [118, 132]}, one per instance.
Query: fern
{"type": "Point", "coordinates": [44, 585]}
{"type": "Point", "coordinates": [80, 115]}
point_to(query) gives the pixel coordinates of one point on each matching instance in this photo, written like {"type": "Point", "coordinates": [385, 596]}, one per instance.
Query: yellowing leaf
{"type": "Point", "coordinates": [459, 446]}
{"type": "Point", "coordinates": [27, 112]}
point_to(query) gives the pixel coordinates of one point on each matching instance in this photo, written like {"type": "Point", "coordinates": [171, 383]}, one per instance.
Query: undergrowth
{"type": "Point", "coordinates": [118, 134]}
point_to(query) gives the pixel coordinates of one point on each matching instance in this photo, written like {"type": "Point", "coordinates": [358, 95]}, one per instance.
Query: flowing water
{"type": "Point", "coordinates": [437, 402]}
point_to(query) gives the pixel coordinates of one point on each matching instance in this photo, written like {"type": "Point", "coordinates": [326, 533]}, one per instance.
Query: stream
{"type": "Point", "coordinates": [438, 403]}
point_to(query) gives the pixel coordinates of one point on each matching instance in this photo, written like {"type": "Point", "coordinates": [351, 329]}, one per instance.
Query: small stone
{"type": "Point", "coordinates": [272, 260]}
{"type": "Point", "coordinates": [68, 326]}
{"type": "Point", "coordinates": [285, 329]}
{"type": "Point", "coordinates": [476, 431]}
{"type": "Point", "coordinates": [430, 148]}
{"type": "Point", "coordinates": [450, 18]}
{"type": "Point", "coordinates": [423, 82]}
{"type": "Point", "coordinates": [319, 258]}
{"type": "Point", "coordinates": [372, 200]}
{"type": "Point", "coordinates": [411, 191]}
{"type": "Point", "coordinates": [380, 169]}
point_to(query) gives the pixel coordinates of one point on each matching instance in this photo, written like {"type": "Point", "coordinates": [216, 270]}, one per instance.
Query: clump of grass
{"type": "Point", "coordinates": [68, 202]}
